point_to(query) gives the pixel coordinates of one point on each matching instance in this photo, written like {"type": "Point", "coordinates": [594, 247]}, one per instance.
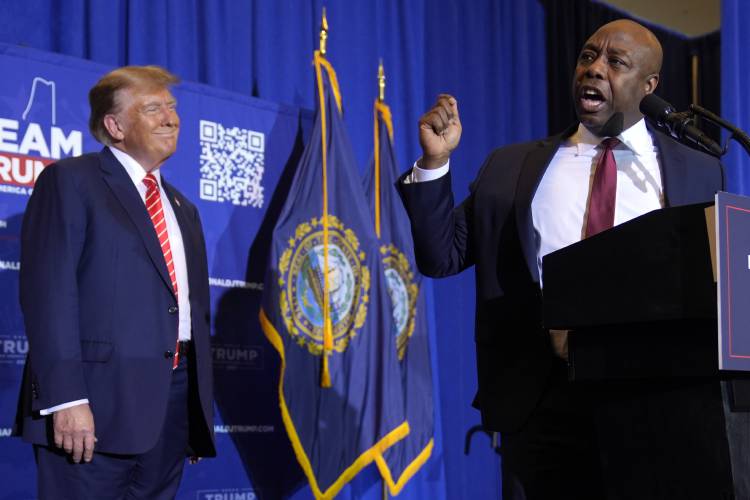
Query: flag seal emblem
{"type": "Point", "coordinates": [403, 291]}
{"type": "Point", "coordinates": [301, 283]}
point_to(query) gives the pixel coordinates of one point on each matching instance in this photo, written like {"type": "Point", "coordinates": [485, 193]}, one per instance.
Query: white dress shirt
{"type": "Point", "coordinates": [560, 204]}
{"type": "Point", "coordinates": [559, 207]}
{"type": "Point", "coordinates": [137, 173]}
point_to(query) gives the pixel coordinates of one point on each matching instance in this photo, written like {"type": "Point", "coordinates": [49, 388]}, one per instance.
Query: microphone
{"type": "Point", "coordinates": [679, 125]}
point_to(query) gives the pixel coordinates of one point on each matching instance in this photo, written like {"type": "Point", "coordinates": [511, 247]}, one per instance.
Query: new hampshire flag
{"type": "Point", "coordinates": [326, 311]}
{"type": "Point", "coordinates": [400, 462]}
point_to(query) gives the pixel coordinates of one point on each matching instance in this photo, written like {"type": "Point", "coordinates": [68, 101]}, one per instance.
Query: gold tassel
{"type": "Point", "coordinates": [325, 376]}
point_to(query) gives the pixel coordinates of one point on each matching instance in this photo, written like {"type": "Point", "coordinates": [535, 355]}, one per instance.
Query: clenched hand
{"type": "Point", "coordinates": [439, 132]}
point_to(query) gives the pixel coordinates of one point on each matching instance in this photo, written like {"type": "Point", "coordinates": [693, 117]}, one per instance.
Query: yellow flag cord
{"type": "Point", "coordinates": [321, 63]}
{"type": "Point", "coordinates": [385, 112]}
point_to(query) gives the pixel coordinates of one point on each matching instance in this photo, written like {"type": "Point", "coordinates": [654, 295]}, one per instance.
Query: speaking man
{"type": "Point", "coordinates": [527, 201]}
{"type": "Point", "coordinates": [117, 388]}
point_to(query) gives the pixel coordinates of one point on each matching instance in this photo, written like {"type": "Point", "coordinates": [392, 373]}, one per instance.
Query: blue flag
{"type": "Point", "coordinates": [399, 463]}
{"type": "Point", "coordinates": [326, 311]}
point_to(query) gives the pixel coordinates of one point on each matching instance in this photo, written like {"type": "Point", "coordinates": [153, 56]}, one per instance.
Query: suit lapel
{"type": "Point", "coordinates": [534, 165]}
{"type": "Point", "coordinates": [671, 164]}
{"type": "Point", "coordinates": [127, 194]}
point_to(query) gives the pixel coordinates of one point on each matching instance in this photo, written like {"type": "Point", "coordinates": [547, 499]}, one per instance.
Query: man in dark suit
{"type": "Point", "coordinates": [527, 201]}
{"type": "Point", "coordinates": [117, 388]}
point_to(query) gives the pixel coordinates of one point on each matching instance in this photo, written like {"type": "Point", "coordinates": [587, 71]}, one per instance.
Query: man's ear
{"type": "Point", "coordinates": [651, 83]}
{"type": "Point", "coordinates": [113, 128]}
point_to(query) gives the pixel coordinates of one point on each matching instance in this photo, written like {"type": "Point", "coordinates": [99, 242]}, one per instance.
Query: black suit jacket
{"type": "Point", "coordinates": [493, 230]}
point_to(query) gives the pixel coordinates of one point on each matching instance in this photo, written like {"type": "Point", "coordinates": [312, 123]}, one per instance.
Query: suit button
{"type": "Point", "coordinates": [169, 354]}
{"type": "Point", "coordinates": [172, 309]}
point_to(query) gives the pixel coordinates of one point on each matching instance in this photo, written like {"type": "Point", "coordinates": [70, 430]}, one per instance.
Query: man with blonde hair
{"type": "Point", "coordinates": [117, 389]}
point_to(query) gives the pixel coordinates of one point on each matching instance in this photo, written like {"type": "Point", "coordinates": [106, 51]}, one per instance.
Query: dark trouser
{"type": "Point", "coordinates": [153, 475]}
{"type": "Point", "coordinates": [643, 439]}
{"type": "Point", "coordinates": [664, 440]}
{"type": "Point", "coordinates": [555, 455]}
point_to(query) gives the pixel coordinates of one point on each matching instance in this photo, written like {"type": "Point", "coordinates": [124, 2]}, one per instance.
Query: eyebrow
{"type": "Point", "coordinates": [612, 51]}
{"type": "Point", "coordinates": [617, 52]}
{"type": "Point", "coordinates": [159, 103]}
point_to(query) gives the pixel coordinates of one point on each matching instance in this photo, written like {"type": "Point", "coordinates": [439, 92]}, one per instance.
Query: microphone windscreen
{"type": "Point", "coordinates": [655, 107]}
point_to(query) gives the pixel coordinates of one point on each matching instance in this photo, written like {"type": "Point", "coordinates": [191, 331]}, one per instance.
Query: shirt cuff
{"type": "Point", "coordinates": [424, 175]}
{"type": "Point", "coordinates": [49, 411]}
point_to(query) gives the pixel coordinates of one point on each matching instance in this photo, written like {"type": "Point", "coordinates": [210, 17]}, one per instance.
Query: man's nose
{"type": "Point", "coordinates": [597, 68]}
{"type": "Point", "coordinates": [169, 117]}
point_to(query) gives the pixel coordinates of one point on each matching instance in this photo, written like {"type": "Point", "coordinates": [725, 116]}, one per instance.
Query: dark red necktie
{"type": "Point", "coordinates": [601, 213]}
{"type": "Point", "coordinates": [156, 212]}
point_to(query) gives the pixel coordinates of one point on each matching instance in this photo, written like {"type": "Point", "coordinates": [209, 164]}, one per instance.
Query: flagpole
{"type": "Point", "coordinates": [323, 33]}
{"type": "Point", "coordinates": [381, 81]}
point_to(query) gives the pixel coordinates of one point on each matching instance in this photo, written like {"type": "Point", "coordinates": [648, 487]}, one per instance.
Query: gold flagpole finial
{"type": "Point", "coordinates": [323, 33]}
{"type": "Point", "coordinates": [381, 82]}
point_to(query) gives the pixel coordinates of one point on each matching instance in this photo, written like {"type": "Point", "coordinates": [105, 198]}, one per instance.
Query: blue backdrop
{"type": "Point", "coordinates": [735, 80]}
{"type": "Point", "coordinates": [488, 53]}
{"type": "Point", "coordinates": [233, 157]}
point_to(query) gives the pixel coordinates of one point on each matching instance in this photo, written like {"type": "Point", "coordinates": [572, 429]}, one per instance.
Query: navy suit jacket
{"type": "Point", "coordinates": [493, 230]}
{"type": "Point", "coordinates": [99, 310]}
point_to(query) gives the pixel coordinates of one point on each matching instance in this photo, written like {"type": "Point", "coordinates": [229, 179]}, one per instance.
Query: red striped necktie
{"type": "Point", "coordinates": [156, 212]}
{"type": "Point", "coordinates": [601, 212]}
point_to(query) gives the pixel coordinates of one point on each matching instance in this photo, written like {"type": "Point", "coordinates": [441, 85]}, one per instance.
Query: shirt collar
{"type": "Point", "coordinates": [134, 169]}
{"type": "Point", "coordinates": [636, 138]}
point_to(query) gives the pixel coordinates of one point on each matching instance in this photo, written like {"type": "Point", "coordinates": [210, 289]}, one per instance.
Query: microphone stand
{"type": "Point", "coordinates": [736, 133]}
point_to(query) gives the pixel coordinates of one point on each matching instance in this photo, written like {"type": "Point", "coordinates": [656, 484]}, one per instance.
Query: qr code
{"type": "Point", "coordinates": [232, 163]}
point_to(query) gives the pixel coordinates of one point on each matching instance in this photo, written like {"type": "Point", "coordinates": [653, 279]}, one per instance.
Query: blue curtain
{"type": "Point", "coordinates": [492, 60]}
{"type": "Point", "coordinates": [735, 81]}
{"type": "Point", "coordinates": [488, 53]}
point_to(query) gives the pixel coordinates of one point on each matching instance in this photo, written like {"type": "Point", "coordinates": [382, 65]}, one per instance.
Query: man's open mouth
{"type": "Point", "coordinates": [591, 99]}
